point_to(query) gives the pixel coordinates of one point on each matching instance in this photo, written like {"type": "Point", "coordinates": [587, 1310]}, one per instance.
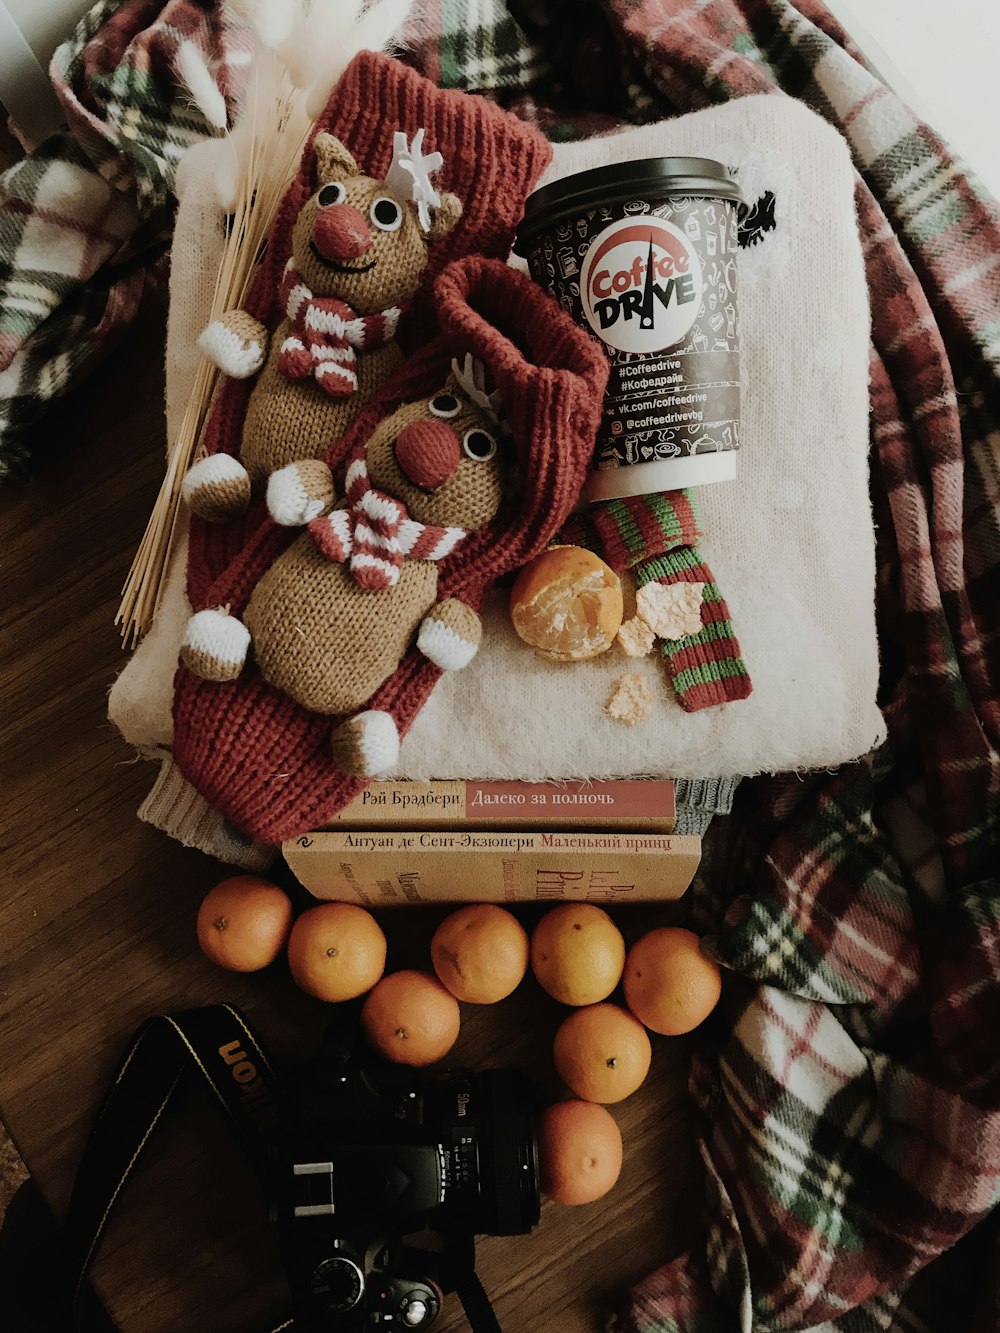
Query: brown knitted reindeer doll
{"type": "Point", "coordinates": [359, 250]}
{"type": "Point", "coordinates": [334, 615]}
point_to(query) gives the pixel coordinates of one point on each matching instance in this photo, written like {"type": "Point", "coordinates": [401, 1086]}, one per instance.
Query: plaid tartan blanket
{"type": "Point", "coordinates": [850, 1083]}
{"type": "Point", "coordinates": [850, 1090]}
{"type": "Point", "coordinates": [85, 216]}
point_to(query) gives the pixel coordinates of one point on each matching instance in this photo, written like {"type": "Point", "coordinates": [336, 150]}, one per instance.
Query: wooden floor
{"type": "Point", "coordinates": [97, 932]}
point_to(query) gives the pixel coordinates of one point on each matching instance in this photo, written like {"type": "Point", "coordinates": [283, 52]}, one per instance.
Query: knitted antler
{"type": "Point", "coordinates": [471, 377]}
{"type": "Point", "coordinates": [409, 174]}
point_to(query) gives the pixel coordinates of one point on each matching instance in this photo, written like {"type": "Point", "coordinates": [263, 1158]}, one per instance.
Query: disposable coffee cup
{"type": "Point", "coordinates": [643, 254]}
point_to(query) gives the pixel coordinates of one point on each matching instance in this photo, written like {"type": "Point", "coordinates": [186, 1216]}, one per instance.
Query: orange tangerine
{"type": "Point", "coordinates": [410, 1018]}
{"type": "Point", "coordinates": [602, 1053]}
{"type": "Point", "coordinates": [336, 951]}
{"type": "Point", "coordinates": [243, 922]}
{"type": "Point", "coordinates": [670, 985]}
{"type": "Point", "coordinates": [480, 953]}
{"type": "Point", "coordinates": [577, 953]}
{"type": "Point", "coordinates": [579, 1151]}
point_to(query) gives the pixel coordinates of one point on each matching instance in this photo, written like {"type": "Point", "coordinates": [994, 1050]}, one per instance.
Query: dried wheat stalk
{"type": "Point", "coordinates": [300, 47]}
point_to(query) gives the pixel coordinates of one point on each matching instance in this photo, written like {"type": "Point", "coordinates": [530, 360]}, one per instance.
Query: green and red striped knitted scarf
{"type": "Point", "coordinates": [655, 537]}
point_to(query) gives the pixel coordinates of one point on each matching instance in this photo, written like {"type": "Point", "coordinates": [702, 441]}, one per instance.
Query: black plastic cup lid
{"type": "Point", "coordinates": [657, 177]}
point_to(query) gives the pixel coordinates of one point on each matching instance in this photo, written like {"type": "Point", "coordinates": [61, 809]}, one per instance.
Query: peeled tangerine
{"type": "Point", "coordinates": [567, 604]}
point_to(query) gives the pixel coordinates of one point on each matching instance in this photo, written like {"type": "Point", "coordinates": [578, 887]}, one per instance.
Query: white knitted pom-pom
{"type": "Point", "coordinates": [215, 470]}
{"type": "Point", "coordinates": [217, 639]}
{"type": "Point", "coordinates": [226, 350]}
{"type": "Point", "coordinates": [441, 645]}
{"type": "Point", "coordinates": [288, 502]}
{"type": "Point", "coordinates": [379, 742]}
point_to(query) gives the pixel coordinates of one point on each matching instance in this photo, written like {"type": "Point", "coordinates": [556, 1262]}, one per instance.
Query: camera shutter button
{"type": "Point", "coordinates": [414, 1314]}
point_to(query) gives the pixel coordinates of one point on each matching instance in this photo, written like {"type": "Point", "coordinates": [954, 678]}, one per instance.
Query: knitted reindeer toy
{"type": "Point", "coordinates": [359, 251]}
{"type": "Point", "coordinates": [313, 666]}
{"type": "Point", "coordinates": [432, 472]}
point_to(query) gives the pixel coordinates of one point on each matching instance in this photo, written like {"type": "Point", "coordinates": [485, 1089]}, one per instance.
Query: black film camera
{"type": "Point", "coordinates": [382, 1178]}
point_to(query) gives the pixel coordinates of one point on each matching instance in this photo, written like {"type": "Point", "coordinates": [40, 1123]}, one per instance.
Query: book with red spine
{"type": "Point", "coordinates": [645, 804]}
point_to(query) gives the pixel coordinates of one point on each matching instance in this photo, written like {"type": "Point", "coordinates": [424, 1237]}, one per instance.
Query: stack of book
{"type": "Point", "coordinates": [503, 842]}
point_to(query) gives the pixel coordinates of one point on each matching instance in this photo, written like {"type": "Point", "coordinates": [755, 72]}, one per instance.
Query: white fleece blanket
{"type": "Point", "coordinates": [791, 541]}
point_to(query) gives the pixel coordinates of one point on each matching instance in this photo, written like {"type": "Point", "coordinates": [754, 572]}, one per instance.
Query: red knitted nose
{"type": "Point", "coordinates": [340, 233]}
{"type": "Point", "coordinates": [428, 452]}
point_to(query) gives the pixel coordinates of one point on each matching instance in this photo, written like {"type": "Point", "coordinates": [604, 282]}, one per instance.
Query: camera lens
{"type": "Point", "coordinates": [486, 1124]}
{"type": "Point", "coordinates": [338, 1284]}
{"type": "Point", "coordinates": [509, 1202]}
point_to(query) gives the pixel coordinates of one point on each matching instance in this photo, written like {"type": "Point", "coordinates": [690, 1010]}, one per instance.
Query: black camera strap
{"type": "Point", "coordinates": [219, 1047]}
{"type": "Point", "coordinates": [475, 1302]}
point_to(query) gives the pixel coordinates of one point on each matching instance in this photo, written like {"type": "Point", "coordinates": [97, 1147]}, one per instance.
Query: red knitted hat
{"type": "Point", "coordinates": [254, 754]}
{"type": "Point", "coordinates": [492, 161]}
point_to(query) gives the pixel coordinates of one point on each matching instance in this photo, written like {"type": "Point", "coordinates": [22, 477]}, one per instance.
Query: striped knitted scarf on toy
{"type": "Point", "coordinates": [655, 536]}
{"type": "Point", "coordinates": [375, 534]}
{"type": "Point", "coordinates": [325, 332]}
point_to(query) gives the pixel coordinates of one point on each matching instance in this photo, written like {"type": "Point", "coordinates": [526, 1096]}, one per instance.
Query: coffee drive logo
{"type": "Point", "coordinates": [641, 284]}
